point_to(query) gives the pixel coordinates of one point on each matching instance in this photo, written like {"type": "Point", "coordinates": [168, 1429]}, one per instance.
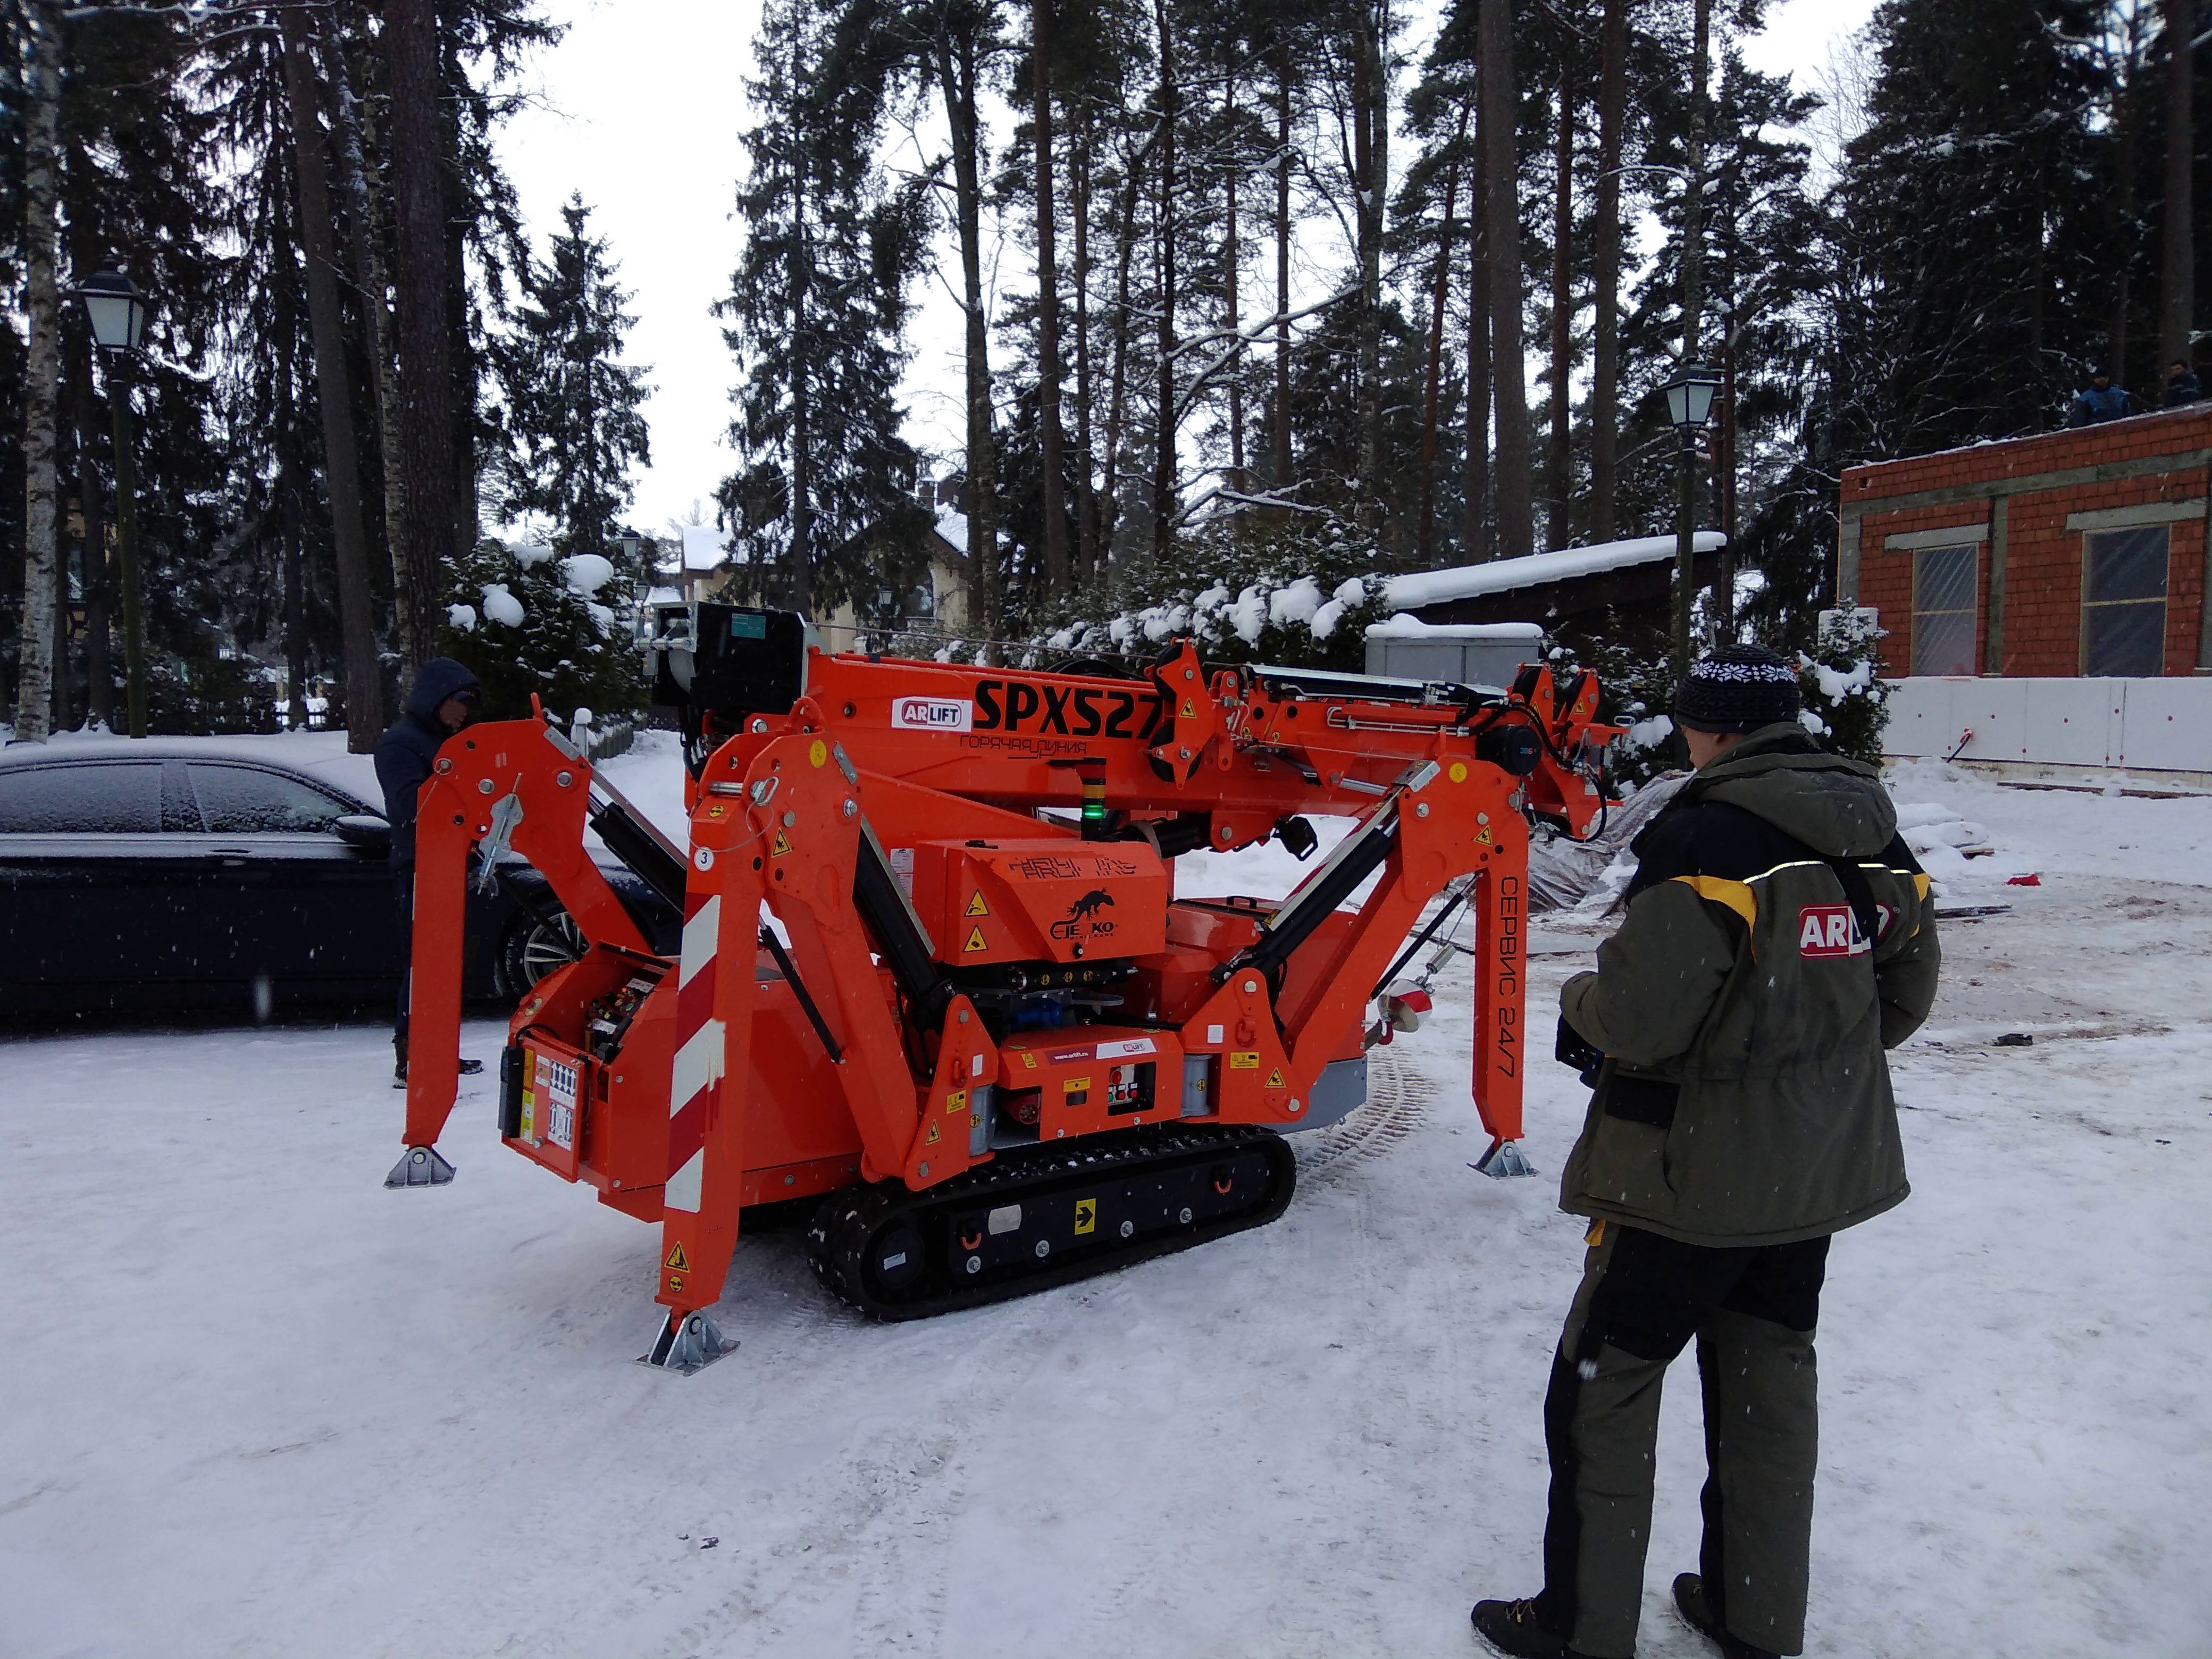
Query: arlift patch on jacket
{"type": "Point", "coordinates": [1831, 930]}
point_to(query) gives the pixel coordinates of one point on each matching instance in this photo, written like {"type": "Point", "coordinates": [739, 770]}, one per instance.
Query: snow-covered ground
{"type": "Point", "coordinates": [252, 1403]}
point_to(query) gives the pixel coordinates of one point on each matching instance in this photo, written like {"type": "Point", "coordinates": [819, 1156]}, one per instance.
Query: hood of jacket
{"type": "Point", "coordinates": [1836, 807]}
{"type": "Point", "coordinates": [437, 680]}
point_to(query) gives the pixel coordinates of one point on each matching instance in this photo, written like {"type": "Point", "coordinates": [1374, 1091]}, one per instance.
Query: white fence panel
{"type": "Point", "coordinates": [2168, 726]}
{"type": "Point", "coordinates": [2143, 724]}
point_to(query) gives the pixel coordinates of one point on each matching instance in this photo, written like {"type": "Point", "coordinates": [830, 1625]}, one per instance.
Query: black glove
{"type": "Point", "coordinates": [1571, 1049]}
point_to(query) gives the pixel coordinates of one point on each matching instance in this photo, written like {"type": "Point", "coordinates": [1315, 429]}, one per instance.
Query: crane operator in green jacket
{"type": "Point", "coordinates": [1778, 938]}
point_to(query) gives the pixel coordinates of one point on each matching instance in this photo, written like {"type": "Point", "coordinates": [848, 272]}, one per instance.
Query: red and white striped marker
{"type": "Point", "coordinates": [699, 1052]}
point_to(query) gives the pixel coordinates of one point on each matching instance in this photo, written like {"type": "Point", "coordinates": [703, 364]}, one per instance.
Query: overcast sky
{"type": "Point", "coordinates": [645, 123]}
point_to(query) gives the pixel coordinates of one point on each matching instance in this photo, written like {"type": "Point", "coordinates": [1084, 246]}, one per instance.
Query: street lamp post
{"type": "Point", "coordinates": [631, 545]}
{"type": "Point", "coordinates": [117, 312]}
{"type": "Point", "coordinates": [1689, 407]}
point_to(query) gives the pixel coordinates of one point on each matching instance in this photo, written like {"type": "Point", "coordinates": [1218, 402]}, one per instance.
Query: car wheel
{"type": "Point", "coordinates": [535, 948]}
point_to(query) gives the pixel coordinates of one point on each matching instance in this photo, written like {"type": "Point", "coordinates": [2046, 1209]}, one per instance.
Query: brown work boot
{"type": "Point", "coordinates": [1690, 1600]}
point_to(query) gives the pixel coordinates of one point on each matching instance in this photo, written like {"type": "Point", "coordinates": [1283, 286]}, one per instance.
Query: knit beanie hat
{"type": "Point", "coordinates": [1738, 688]}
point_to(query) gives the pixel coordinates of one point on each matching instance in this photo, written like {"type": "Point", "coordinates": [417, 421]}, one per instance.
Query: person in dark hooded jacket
{"type": "Point", "coordinates": [1778, 938]}
{"type": "Point", "coordinates": [2099, 401]}
{"type": "Point", "coordinates": [438, 705]}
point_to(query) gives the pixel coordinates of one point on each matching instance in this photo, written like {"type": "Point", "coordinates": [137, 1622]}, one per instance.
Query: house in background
{"type": "Point", "coordinates": [934, 604]}
{"type": "Point", "coordinates": [1615, 593]}
{"type": "Point", "coordinates": [703, 561]}
{"type": "Point", "coordinates": [2043, 600]}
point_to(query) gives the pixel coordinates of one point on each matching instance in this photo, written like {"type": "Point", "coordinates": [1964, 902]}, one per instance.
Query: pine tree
{"type": "Point", "coordinates": [814, 312]}
{"type": "Point", "coordinates": [568, 421]}
{"type": "Point", "coordinates": [1970, 274]}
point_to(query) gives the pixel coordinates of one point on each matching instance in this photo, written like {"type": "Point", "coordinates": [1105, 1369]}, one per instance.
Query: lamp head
{"type": "Point", "coordinates": [114, 308]}
{"type": "Point", "coordinates": [1690, 397]}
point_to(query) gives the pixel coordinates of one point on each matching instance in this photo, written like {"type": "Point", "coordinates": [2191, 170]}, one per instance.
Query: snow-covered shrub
{"type": "Point", "coordinates": [1300, 595]}
{"type": "Point", "coordinates": [526, 622]}
{"type": "Point", "coordinates": [1846, 705]}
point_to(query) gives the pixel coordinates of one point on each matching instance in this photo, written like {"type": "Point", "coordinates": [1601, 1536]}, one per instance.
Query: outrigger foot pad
{"type": "Point", "coordinates": [1505, 1158]}
{"type": "Point", "coordinates": [687, 1343]}
{"type": "Point", "coordinates": [420, 1166]}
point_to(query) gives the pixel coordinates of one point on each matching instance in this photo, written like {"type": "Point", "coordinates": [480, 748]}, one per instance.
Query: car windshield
{"type": "Point", "coordinates": [86, 798]}
{"type": "Point", "coordinates": [245, 800]}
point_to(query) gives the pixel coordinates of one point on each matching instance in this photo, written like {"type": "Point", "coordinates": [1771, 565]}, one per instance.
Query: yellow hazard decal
{"type": "Point", "coordinates": [1275, 1079]}
{"type": "Point", "coordinates": [975, 940]}
{"type": "Point", "coordinates": [1459, 771]}
{"type": "Point", "coordinates": [1073, 1085]}
{"type": "Point", "coordinates": [1029, 1060]}
{"type": "Point", "coordinates": [678, 1262]}
{"type": "Point", "coordinates": [716, 810]}
{"type": "Point", "coordinates": [1188, 712]}
{"type": "Point", "coordinates": [957, 1101]}
{"type": "Point", "coordinates": [1243, 1062]}
{"type": "Point", "coordinates": [819, 752]}
{"type": "Point", "coordinates": [1482, 836]}
{"type": "Point", "coordinates": [934, 1136]}
{"type": "Point", "coordinates": [1086, 1215]}
{"type": "Point", "coordinates": [782, 848]}
{"type": "Point", "coordinates": [977, 907]}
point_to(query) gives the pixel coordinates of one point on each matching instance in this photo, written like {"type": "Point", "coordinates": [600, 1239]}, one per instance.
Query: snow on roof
{"type": "Point", "coordinates": [1404, 626]}
{"type": "Point", "coordinates": [1470, 581]}
{"type": "Point", "coordinates": [952, 530]}
{"type": "Point", "coordinates": [705, 548]}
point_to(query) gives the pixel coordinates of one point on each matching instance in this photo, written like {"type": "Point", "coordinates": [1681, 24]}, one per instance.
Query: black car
{"type": "Point", "coordinates": [144, 876]}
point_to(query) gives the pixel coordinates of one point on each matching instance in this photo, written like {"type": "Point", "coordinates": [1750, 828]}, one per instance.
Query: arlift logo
{"type": "Point", "coordinates": [1830, 930]}
{"type": "Point", "coordinates": [932, 714]}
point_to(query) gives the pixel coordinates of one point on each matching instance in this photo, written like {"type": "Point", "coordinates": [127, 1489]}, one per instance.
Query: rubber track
{"type": "Point", "coordinates": [850, 1220]}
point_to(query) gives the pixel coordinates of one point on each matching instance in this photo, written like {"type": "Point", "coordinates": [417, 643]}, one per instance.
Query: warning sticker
{"type": "Point", "coordinates": [1243, 1062]}
{"type": "Point", "coordinates": [1275, 1079]}
{"type": "Point", "coordinates": [678, 1262]}
{"type": "Point", "coordinates": [1188, 712]}
{"type": "Point", "coordinates": [560, 1081]}
{"type": "Point", "coordinates": [1074, 1086]}
{"type": "Point", "coordinates": [975, 940]}
{"type": "Point", "coordinates": [1029, 1060]}
{"type": "Point", "coordinates": [934, 1136]}
{"type": "Point", "coordinates": [976, 906]}
{"type": "Point", "coordinates": [819, 752]}
{"type": "Point", "coordinates": [1086, 1215]}
{"type": "Point", "coordinates": [783, 846]}
{"type": "Point", "coordinates": [957, 1101]}
{"type": "Point", "coordinates": [1482, 836]}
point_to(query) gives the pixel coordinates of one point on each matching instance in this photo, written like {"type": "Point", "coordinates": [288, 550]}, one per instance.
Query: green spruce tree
{"type": "Point", "coordinates": [569, 416]}
{"type": "Point", "coordinates": [814, 312]}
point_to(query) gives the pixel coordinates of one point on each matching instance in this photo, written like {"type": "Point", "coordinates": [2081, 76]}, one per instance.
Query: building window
{"type": "Point", "coordinates": [1944, 609]}
{"type": "Point", "coordinates": [2124, 602]}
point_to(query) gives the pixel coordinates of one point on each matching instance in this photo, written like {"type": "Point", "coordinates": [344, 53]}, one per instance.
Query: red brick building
{"type": "Point", "coordinates": [2067, 554]}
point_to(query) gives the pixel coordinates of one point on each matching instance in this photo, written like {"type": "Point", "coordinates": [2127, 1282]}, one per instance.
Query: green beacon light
{"type": "Point", "coordinates": [1091, 770]}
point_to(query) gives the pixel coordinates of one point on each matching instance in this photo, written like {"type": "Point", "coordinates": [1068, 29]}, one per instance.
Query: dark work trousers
{"type": "Point", "coordinates": [1753, 1310]}
{"type": "Point", "coordinates": [403, 898]}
